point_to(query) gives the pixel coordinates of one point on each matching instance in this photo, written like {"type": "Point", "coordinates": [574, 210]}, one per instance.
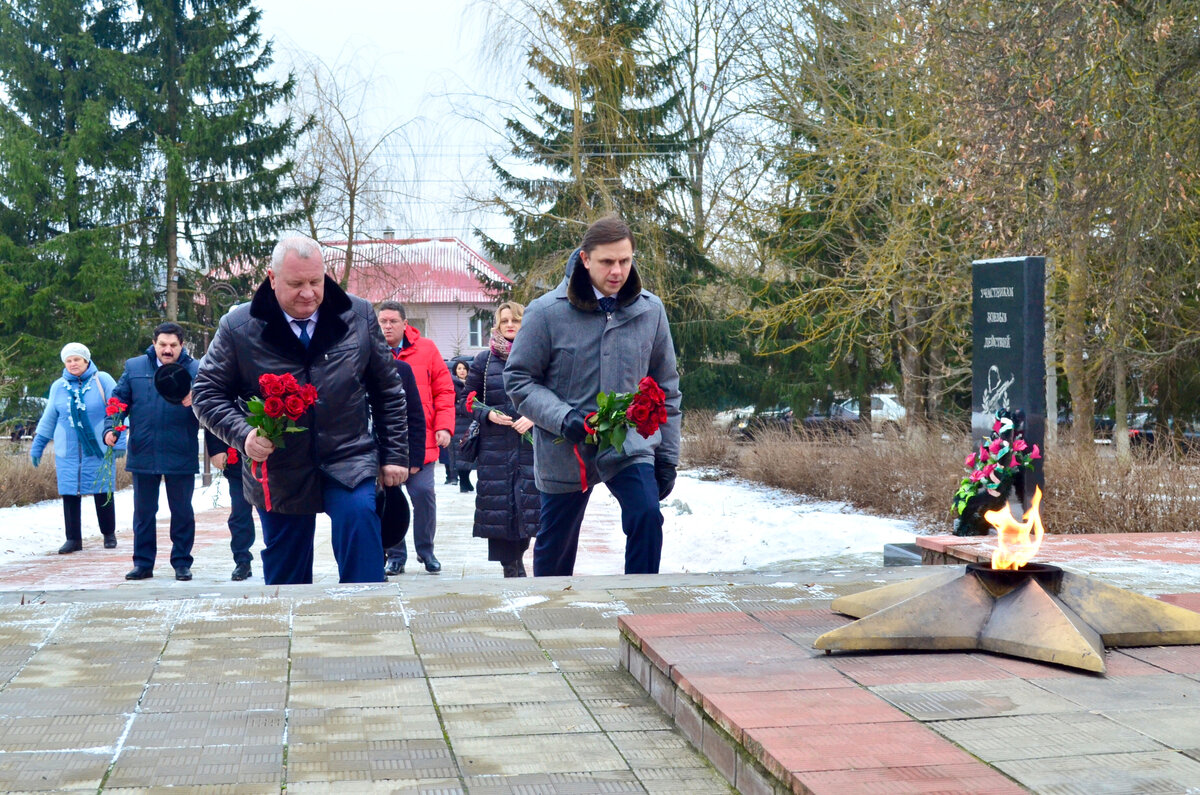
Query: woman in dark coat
{"type": "Point", "coordinates": [462, 421]}
{"type": "Point", "coordinates": [507, 503]}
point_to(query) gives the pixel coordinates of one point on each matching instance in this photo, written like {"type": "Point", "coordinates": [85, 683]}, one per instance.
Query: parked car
{"type": "Point", "coordinates": [1143, 432]}
{"type": "Point", "coordinates": [837, 419]}
{"type": "Point", "coordinates": [1102, 425]}
{"type": "Point", "coordinates": [778, 418]}
{"type": "Point", "coordinates": [887, 414]}
{"type": "Point", "coordinates": [726, 420]}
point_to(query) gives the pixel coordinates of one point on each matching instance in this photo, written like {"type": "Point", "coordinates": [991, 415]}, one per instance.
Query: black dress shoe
{"type": "Point", "coordinates": [241, 572]}
{"type": "Point", "coordinates": [140, 574]}
{"type": "Point", "coordinates": [69, 547]}
{"type": "Point", "coordinates": [393, 567]}
{"type": "Point", "coordinates": [431, 564]}
{"type": "Point", "coordinates": [183, 573]}
{"type": "Point", "coordinates": [110, 542]}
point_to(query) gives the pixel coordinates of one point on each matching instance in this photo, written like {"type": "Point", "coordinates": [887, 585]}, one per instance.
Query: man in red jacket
{"type": "Point", "coordinates": [437, 399]}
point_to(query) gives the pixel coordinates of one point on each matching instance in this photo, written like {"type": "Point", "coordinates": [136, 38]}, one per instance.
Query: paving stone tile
{"type": "Point", "coordinates": [607, 638]}
{"type": "Point", "coordinates": [851, 746]}
{"type": "Point", "coordinates": [61, 733]}
{"type": "Point", "coordinates": [16, 702]}
{"type": "Point", "coordinates": [487, 662]}
{"type": "Point", "coordinates": [471, 642]}
{"type": "Point", "coordinates": [495, 720]}
{"type": "Point", "coordinates": [214, 696]}
{"type": "Point", "coordinates": [50, 672]}
{"type": "Point", "coordinates": [813, 621]}
{"type": "Point", "coordinates": [338, 645]}
{"type": "Point", "coordinates": [1190, 601]}
{"type": "Point", "coordinates": [736, 712]}
{"type": "Point", "coordinates": [383, 760]}
{"type": "Point", "coordinates": [613, 782]}
{"type": "Point", "coordinates": [199, 789]}
{"type": "Point", "coordinates": [1116, 663]}
{"type": "Point", "coordinates": [545, 753]}
{"type": "Point", "coordinates": [665, 625]}
{"type": "Point", "coordinates": [584, 659]}
{"type": "Point", "coordinates": [957, 779]}
{"type": "Point", "coordinates": [16, 654]}
{"type": "Point", "coordinates": [1153, 772]}
{"type": "Point", "coordinates": [29, 623]}
{"type": "Point", "coordinates": [221, 607]}
{"type": "Point", "coordinates": [58, 770]}
{"type": "Point", "coordinates": [711, 784]}
{"type": "Point", "coordinates": [224, 764]}
{"type": "Point", "coordinates": [232, 627]}
{"type": "Point", "coordinates": [604, 684]}
{"type": "Point", "coordinates": [375, 599]}
{"type": "Point", "coordinates": [886, 669]}
{"type": "Point", "coordinates": [102, 632]}
{"type": "Point", "coordinates": [468, 619]}
{"type": "Point", "coordinates": [752, 649]}
{"type": "Point", "coordinates": [218, 648]}
{"type": "Point", "coordinates": [502, 688]}
{"type": "Point", "coordinates": [1173, 659]}
{"type": "Point", "coordinates": [1126, 692]}
{"type": "Point", "coordinates": [352, 724]}
{"type": "Point", "coordinates": [546, 618]}
{"type": "Point", "coordinates": [454, 603]}
{"type": "Point", "coordinates": [623, 715]}
{"type": "Point", "coordinates": [193, 729]}
{"type": "Point", "coordinates": [94, 653]}
{"type": "Point", "coordinates": [1037, 736]}
{"type": "Point", "coordinates": [975, 699]}
{"type": "Point", "coordinates": [696, 679]}
{"type": "Point", "coordinates": [1175, 727]}
{"type": "Point", "coordinates": [228, 669]}
{"type": "Point", "coordinates": [662, 749]}
{"type": "Point", "coordinates": [433, 786]}
{"type": "Point", "coordinates": [365, 693]}
{"type": "Point", "coordinates": [349, 623]}
{"type": "Point", "coordinates": [311, 668]}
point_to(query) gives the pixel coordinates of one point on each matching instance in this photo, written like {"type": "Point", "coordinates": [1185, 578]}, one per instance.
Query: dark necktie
{"type": "Point", "coordinates": [608, 304]}
{"type": "Point", "coordinates": [396, 353]}
{"type": "Point", "coordinates": [303, 326]}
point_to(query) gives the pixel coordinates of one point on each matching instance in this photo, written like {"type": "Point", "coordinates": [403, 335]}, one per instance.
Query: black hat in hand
{"type": "Point", "coordinates": [173, 382]}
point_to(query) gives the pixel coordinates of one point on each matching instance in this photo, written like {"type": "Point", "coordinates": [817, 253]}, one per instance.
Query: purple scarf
{"type": "Point", "coordinates": [499, 345]}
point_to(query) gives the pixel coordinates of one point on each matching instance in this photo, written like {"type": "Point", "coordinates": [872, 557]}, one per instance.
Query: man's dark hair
{"type": "Point", "coordinates": [169, 328]}
{"type": "Point", "coordinates": [393, 306]}
{"type": "Point", "coordinates": [609, 229]}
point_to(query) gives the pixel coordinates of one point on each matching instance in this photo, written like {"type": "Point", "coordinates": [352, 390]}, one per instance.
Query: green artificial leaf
{"type": "Point", "coordinates": [256, 407]}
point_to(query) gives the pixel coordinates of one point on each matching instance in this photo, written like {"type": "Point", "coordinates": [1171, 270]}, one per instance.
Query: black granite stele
{"type": "Point", "coordinates": [1008, 368]}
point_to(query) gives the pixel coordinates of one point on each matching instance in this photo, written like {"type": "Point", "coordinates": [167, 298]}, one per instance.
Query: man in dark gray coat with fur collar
{"type": "Point", "coordinates": [598, 331]}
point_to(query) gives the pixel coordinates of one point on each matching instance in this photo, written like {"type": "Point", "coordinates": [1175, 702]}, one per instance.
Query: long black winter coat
{"type": "Point", "coordinates": [355, 376]}
{"type": "Point", "coordinates": [507, 503]}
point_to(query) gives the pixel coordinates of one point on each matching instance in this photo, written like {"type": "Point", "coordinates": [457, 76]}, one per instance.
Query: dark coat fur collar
{"type": "Point", "coordinates": [581, 294]}
{"type": "Point", "coordinates": [278, 332]}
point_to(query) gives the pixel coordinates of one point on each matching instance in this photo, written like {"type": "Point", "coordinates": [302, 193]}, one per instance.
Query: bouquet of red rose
{"type": "Point", "coordinates": [283, 402]}
{"type": "Point", "coordinates": [116, 409]}
{"type": "Point", "coordinates": [617, 412]}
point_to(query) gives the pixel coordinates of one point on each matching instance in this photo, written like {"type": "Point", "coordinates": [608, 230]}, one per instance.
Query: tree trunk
{"type": "Point", "coordinates": [1120, 402]}
{"type": "Point", "coordinates": [1074, 335]}
{"type": "Point", "coordinates": [172, 244]}
{"type": "Point", "coordinates": [1049, 354]}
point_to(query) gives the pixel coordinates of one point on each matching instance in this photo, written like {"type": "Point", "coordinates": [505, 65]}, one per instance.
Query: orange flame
{"type": "Point", "coordinates": [1014, 548]}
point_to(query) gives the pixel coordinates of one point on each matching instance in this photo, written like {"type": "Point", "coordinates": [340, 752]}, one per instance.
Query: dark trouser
{"type": "Point", "coordinates": [287, 557]}
{"type": "Point", "coordinates": [424, 516]}
{"type": "Point", "coordinates": [562, 515]}
{"type": "Point", "coordinates": [447, 458]}
{"type": "Point", "coordinates": [106, 515]}
{"type": "Point", "coordinates": [145, 519]}
{"type": "Point", "coordinates": [241, 517]}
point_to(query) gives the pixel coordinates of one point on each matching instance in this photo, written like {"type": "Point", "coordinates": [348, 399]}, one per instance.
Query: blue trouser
{"type": "Point", "coordinates": [562, 516]}
{"type": "Point", "coordinates": [287, 556]}
{"type": "Point", "coordinates": [424, 516]}
{"type": "Point", "coordinates": [241, 517]}
{"type": "Point", "coordinates": [145, 519]}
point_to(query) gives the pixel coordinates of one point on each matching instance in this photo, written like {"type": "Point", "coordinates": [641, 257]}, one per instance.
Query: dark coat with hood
{"type": "Point", "coordinates": [507, 503]}
{"type": "Point", "coordinates": [356, 380]}
{"type": "Point", "coordinates": [569, 351]}
{"type": "Point", "coordinates": [164, 437]}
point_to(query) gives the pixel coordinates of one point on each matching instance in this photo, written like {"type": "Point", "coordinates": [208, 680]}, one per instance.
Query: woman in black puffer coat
{"type": "Point", "coordinates": [462, 421]}
{"type": "Point", "coordinates": [507, 503]}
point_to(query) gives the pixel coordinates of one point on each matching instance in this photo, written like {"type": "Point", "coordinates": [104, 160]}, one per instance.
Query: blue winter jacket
{"type": "Point", "coordinates": [164, 438]}
{"type": "Point", "coordinates": [78, 473]}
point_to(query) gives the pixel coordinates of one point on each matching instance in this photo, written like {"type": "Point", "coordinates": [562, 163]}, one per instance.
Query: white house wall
{"type": "Point", "coordinates": [447, 325]}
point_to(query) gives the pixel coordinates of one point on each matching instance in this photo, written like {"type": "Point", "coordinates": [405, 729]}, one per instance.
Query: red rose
{"type": "Point", "coordinates": [273, 407]}
{"type": "Point", "coordinates": [308, 393]}
{"type": "Point", "coordinates": [471, 400]}
{"type": "Point", "coordinates": [271, 385]}
{"type": "Point", "coordinates": [293, 406]}
{"type": "Point", "coordinates": [662, 414]}
{"type": "Point", "coordinates": [650, 388]}
{"type": "Point", "coordinates": [231, 456]}
{"type": "Point", "coordinates": [647, 428]}
{"type": "Point", "coordinates": [290, 387]}
{"type": "Point", "coordinates": [638, 411]}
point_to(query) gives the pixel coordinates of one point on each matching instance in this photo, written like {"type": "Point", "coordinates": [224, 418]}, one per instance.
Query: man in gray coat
{"type": "Point", "coordinates": [598, 331]}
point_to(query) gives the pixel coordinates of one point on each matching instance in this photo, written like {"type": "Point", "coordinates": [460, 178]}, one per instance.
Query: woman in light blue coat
{"type": "Point", "coordinates": [74, 421]}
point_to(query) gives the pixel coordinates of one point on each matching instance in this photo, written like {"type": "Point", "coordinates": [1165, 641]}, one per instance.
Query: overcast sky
{"type": "Point", "coordinates": [427, 60]}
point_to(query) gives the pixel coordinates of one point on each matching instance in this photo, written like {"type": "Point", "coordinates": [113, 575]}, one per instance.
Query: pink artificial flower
{"type": "Point", "coordinates": [996, 425]}
{"type": "Point", "coordinates": [988, 470]}
{"type": "Point", "coordinates": [970, 462]}
{"type": "Point", "coordinates": [983, 454]}
{"type": "Point", "coordinates": [996, 446]}
{"type": "Point", "coordinates": [977, 476]}
{"type": "Point", "coordinates": [1019, 445]}
{"type": "Point", "coordinates": [1035, 453]}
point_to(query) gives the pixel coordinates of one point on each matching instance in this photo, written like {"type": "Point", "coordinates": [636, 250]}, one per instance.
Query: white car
{"type": "Point", "coordinates": [887, 414]}
{"type": "Point", "coordinates": [726, 420]}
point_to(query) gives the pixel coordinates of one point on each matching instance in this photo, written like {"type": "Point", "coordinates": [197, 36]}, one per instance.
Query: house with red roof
{"type": "Point", "coordinates": [448, 289]}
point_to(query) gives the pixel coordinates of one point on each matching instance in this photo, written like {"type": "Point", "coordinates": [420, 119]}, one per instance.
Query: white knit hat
{"type": "Point", "coordinates": [75, 349]}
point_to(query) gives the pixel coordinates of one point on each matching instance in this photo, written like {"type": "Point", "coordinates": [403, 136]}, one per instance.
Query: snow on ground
{"type": "Point", "coordinates": [711, 524]}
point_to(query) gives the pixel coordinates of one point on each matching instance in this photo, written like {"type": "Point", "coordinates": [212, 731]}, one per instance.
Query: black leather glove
{"type": "Point", "coordinates": [574, 427]}
{"type": "Point", "coordinates": [664, 476]}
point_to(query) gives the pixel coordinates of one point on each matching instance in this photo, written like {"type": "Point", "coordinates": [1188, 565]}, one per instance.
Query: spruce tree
{"type": "Point", "coordinates": [218, 162]}
{"type": "Point", "coordinates": [601, 136]}
{"type": "Point", "coordinates": [69, 173]}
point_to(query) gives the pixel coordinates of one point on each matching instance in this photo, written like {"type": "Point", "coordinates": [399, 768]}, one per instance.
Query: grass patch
{"type": "Point", "coordinates": [23, 484]}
